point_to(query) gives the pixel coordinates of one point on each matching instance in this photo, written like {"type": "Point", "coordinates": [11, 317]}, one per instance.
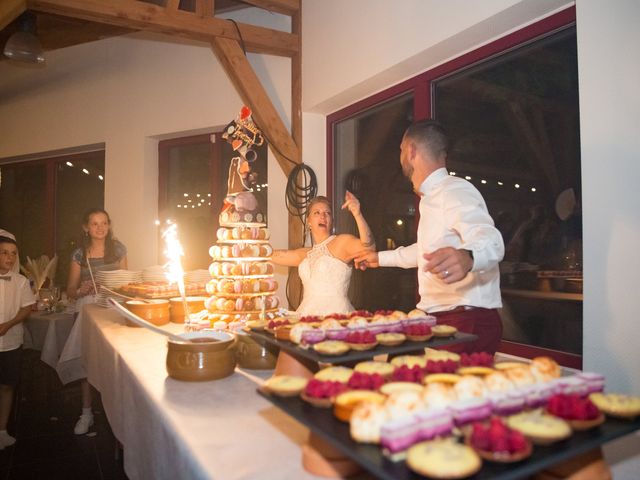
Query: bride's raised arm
{"type": "Point", "coordinates": [352, 203]}
{"type": "Point", "coordinates": [289, 258]}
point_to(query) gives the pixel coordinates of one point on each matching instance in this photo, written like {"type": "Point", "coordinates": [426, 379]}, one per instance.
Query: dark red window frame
{"type": "Point", "coordinates": [421, 85]}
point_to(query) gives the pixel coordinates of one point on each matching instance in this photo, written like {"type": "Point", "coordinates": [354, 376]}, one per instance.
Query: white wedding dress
{"type": "Point", "coordinates": [326, 282]}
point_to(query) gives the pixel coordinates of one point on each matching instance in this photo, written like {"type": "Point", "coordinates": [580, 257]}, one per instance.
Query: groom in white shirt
{"type": "Point", "coordinates": [458, 248]}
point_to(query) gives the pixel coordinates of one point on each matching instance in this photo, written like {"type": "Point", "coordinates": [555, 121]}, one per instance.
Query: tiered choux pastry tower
{"type": "Point", "coordinates": [242, 285]}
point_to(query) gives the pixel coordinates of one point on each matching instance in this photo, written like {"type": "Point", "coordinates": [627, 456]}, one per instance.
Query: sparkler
{"type": "Point", "coordinates": [173, 268]}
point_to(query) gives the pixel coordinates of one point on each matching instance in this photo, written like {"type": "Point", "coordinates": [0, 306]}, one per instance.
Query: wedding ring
{"type": "Point", "coordinates": [445, 274]}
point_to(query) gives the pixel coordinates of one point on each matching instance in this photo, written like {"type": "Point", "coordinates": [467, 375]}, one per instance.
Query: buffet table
{"type": "Point", "coordinates": [171, 429]}
{"type": "Point", "coordinates": [48, 333]}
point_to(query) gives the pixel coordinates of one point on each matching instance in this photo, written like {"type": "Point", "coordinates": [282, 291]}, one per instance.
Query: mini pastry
{"type": "Point", "coordinates": [508, 365]}
{"type": "Point", "coordinates": [398, 315]}
{"type": "Point", "coordinates": [498, 382]}
{"type": "Point", "coordinates": [438, 395]}
{"type": "Point", "coordinates": [331, 347]}
{"type": "Point", "coordinates": [346, 402]}
{"type": "Point", "coordinates": [450, 378]}
{"type": "Point", "coordinates": [415, 313]}
{"type": "Point", "coordinates": [434, 422]}
{"type": "Point", "coordinates": [366, 421]}
{"type": "Point", "coordinates": [520, 376]}
{"type": "Point", "coordinates": [539, 427]}
{"type": "Point", "coordinates": [617, 405]}
{"type": "Point", "coordinates": [397, 435]}
{"type": "Point", "coordinates": [443, 459]}
{"type": "Point", "coordinates": [403, 404]}
{"type": "Point", "coordinates": [475, 370]}
{"type": "Point", "coordinates": [336, 374]}
{"type": "Point", "coordinates": [443, 330]}
{"type": "Point", "coordinates": [330, 324]}
{"type": "Point", "coordinates": [295, 335]}
{"type": "Point", "coordinates": [409, 361]}
{"type": "Point", "coordinates": [390, 339]}
{"type": "Point", "coordinates": [470, 410]}
{"type": "Point", "coordinates": [470, 386]}
{"type": "Point", "coordinates": [393, 387]}
{"type": "Point", "coordinates": [433, 354]}
{"type": "Point", "coordinates": [383, 368]}
{"type": "Point", "coordinates": [357, 322]}
{"type": "Point", "coordinates": [544, 369]}
{"type": "Point", "coordinates": [285, 385]}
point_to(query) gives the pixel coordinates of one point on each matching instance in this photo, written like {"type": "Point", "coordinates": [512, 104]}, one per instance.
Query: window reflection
{"type": "Point", "coordinates": [367, 163]}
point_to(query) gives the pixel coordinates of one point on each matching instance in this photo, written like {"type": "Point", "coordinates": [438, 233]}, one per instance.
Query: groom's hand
{"type": "Point", "coordinates": [366, 259]}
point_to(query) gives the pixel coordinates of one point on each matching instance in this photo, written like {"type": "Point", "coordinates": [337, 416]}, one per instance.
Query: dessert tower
{"type": "Point", "coordinates": [242, 286]}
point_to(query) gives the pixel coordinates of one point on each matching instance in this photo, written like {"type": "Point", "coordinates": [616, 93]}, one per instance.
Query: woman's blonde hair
{"type": "Point", "coordinates": [319, 199]}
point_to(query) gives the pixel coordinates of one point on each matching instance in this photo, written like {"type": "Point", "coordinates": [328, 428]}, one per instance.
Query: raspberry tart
{"type": "Point", "coordinates": [496, 442]}
{"type": "Point", "coordinates": [361, 340]}
{"type": "Point", "coordinates": [581, 413]}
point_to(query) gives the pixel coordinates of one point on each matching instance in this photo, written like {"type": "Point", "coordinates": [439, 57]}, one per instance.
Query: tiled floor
{"type": "Point", "coordinates": [46, 447]}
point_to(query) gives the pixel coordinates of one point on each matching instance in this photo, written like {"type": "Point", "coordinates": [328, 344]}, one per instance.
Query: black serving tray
{"type": "Point", "coordinates": [353, 355]}
{"type": "Point", "coordinates": [323, 423]}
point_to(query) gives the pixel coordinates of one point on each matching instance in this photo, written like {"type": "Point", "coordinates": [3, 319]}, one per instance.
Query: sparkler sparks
{"type": "Point", "coordinates": [173, 268]}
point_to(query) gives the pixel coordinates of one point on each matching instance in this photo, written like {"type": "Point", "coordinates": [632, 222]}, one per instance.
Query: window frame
{"type": "Point", "coordinates": [422, 87]}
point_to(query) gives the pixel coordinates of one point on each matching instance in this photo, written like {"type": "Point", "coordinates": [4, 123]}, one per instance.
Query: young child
{"type": "Point", "coordinates": [16, 299]}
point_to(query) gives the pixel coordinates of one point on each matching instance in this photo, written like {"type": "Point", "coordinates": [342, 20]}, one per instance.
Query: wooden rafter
{"type": "Point", "coordinates": [146, 16]}
{"type": "Point", "coordinates": [286, 7]}
{"type": "Point", "coordinates": [10, 10]}
{"type": "Point", "coordinates": [254, 95]}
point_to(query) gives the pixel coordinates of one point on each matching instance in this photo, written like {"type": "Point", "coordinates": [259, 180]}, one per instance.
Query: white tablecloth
{"type": "Point", "coordinates": [47, 332]}
{"type": "Point", "coordinates": [188, 430]}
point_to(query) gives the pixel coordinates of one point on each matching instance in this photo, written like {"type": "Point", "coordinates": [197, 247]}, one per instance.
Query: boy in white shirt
{"type": "Point", "coordinates": [16, 299]}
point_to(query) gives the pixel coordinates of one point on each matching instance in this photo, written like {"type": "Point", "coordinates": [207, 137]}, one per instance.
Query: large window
{"type": "Point", "coordinates": [192, 186]}
{"type": "Point", "coordinates": [511, 109]}
{"type": "Point", "coordinates": [42, 202]}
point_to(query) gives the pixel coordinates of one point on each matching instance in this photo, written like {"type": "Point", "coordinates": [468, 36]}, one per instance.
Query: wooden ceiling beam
{"type": "Point", "coordinates": [10, 10]}
{"type": "Point", "coordinates": [286, 7]}
{"type": "Point", "coordinates": [252, 92]}
{"type": "Point", "coordinates": [150, 17]}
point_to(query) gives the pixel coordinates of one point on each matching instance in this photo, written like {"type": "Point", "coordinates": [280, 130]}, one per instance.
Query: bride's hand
{"type": "Point", "coordinates": [351, 203]}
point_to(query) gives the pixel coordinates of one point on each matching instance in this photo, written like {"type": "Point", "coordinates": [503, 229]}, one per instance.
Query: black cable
{"type": "Point", "coordinates": [302, 187]}
{"type": "Point", "coordinates": [239, 36]}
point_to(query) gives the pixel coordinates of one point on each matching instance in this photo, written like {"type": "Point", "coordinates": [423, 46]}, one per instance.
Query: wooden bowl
{"type": "Point", "coordinates": [153, 311]}
{"type": "Point", "coordinates": [204, 355]}
{"type": "Point", "coordinates": [195, 305]}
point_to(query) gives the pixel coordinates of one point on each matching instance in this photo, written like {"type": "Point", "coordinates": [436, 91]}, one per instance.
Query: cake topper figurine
{"type": "Point", "coordinates": [240, 205]}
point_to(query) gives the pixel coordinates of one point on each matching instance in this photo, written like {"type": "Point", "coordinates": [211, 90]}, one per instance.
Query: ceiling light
{"type": "Point", "coordinates": [23, 45]}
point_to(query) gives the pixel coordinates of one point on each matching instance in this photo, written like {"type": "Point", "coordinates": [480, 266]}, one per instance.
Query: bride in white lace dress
{"type": "Point", "coordinates": [325, 269]}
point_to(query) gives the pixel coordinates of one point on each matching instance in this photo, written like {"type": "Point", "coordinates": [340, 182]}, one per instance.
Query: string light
{"type": "Point", "coordinates": [100, 177]}
{"type": "Point", "coordinates": [70, 164]}
{"type": "Point", "coordinates": [452, 173]}
{"type": "Point", "coordinates": [85, 171]}
{"type": "Point", "coordinates": [399, 222]}
{"type": "Point", "coordinates": [467, 177]}
{"type": "Point", "coordinates": [483, 181]}
{"type": "Point", "coordinates": [533, 189]}
{"type": "Point", "coordinates": [500, 183]}
{"type": "Point", "coordinates": [517, 185]}
{"type": "Point", "coordinates": [186, 194]}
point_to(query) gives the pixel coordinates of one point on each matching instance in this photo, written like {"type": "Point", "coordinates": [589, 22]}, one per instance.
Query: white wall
{"type": "Point", "coordinates": [608, 70]}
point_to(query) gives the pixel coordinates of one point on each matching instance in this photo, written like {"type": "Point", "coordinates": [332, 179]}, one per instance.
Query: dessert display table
{"type": "Point", "coordinates": [324, 424]}
{"type": "Point", "coordinates": [355, 355]}
{"type": "Point", "coordinates": [171, 429]}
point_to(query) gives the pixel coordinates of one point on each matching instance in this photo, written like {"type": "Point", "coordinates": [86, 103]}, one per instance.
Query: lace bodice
{"type": "Point", "coordinates": [326, 281]}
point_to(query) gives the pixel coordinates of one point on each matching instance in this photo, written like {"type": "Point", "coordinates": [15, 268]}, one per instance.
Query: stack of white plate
{"type": "Point", "coordinates": [112, 280]}
{"type": "Point", "coordinates": [197, 276]}
{"type": "Point", "coordinates": [155, 273]}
